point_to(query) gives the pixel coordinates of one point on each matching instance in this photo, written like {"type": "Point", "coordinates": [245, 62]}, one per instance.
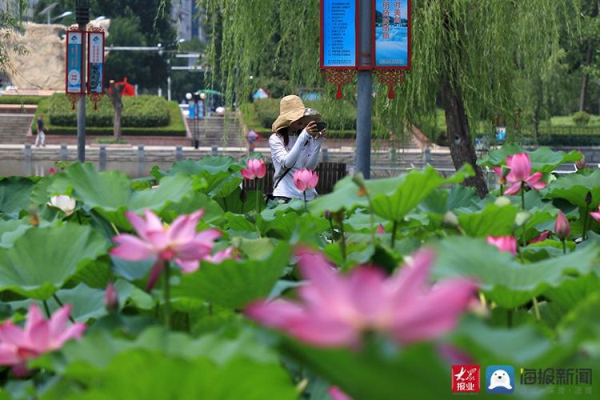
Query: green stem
{"type": "Point", "coordinates": [523, 196]}
{"type": "Point", "coordinates": [331, 226]}
{"type": "Point", "coordinates": [61, 305]}
{"type": "Point", "coordinates": [536, 308]}
{"type": "Point", "coordinates": [509, 316]}
{"type": "Point", "coordinates": [46, 309]}
{"type": "Point", "coordinates": [564, 246]}
{"type": "Point", "coordinates": [585, 220]}
{"type": "Point", "coordinates": [115, 228]}
{"type": "Point", "coordinates": [79, 216]}
{"type": "Point", "coordinates": [167, 294]}
{"type": "Point", "coordinates": [394, 228]}
{"type": "Point", "coordinates": [343, 241]}
{"type": "Point", "coordinates": [257, 196]}
{"type": "Point", "coordinates": [305, 202]}
{"type": "Point", "coordinates": [501, 190]}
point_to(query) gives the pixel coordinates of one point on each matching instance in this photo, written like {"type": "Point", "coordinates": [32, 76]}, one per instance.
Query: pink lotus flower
{"type": "Point", "coordinates": [380, 230]}
{"type": "Point", "coordinates": [111, 298]}
{"type": "Point", "coordinates": [40, 336]}
{"type": "Point", "coordinates": [543, 236]}
{"type": "Point", "coordinates": [504, 243]}
{"type": "Point", "coordinates": [179, 242]}
{"type": "Point", "coordinates": [562, 227]}
{"type": "Point", "coordinates": [520, 171]}
{"type": "Point", "coordinates": [255, 168]}
{"type": "Point", "coordinates": [337, 394]}
{"type": "Point", "coordinates": [501, 174]}
{"type": "Point", "coordinates": [596, 215]}
{"type": "Point", "coordinates": [189, 267]}
{"type": "Point", "coordinates": [52, 171]}
{"type": "Point", "coordinates": [305, 179]}
{"type": "Point", "coordinates": [336, 309]}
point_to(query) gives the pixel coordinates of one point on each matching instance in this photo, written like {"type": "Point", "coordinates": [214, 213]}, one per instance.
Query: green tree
{"type": "Point", "coordinates": [11, 14]}
{"type": "Point", "coordinates": [470, 55]}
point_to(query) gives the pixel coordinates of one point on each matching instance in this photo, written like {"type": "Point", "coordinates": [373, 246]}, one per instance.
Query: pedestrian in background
{"type": "Point", "coordinates": [41, 135]}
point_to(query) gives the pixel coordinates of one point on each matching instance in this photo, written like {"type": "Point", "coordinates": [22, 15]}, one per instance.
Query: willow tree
{"type": "Point", "coordinates": [11, 14]}
{"type": "Point", "coordinates": [469, 55]}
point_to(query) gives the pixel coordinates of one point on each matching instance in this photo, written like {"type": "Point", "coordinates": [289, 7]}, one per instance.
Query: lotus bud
{"type": "Point", "coordinates": [562, 227]}
{"type": "Point", "coordinates": [380, 230]}
{"type": "Point", "coordinates": [450, 219]}
{"type": "Point", "coordinates": [327, 214]}
{"type": "Point", "coordinates": [580, 164]}
{"type": "Point", "coordinates": [588, 198]}
{"type": "Point", "coordinates": [502, 201]}
{"type": "Point", "coordinates": [522, 217]}
{"type": "Point", "coordinates": [111, 298]}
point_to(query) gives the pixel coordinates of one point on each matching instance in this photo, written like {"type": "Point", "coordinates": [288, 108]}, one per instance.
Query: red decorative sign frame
{"type": "Point", "coordinates": [392, 75]}
{"type": "Point", "coordinates": [341, 75]}
{"type": "Point", "coordinates": [95, 97]}
{"type": "Point", "coordinates": [73, 97]}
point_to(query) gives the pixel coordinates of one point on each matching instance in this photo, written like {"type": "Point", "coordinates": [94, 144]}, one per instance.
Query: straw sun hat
{"type": "Point", "coordinates": [292, 109]}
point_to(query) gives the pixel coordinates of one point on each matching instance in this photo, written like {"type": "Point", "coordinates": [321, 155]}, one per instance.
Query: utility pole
{"type": "Point", "coordinates": [82, 16]}
{"type": "Point", "coordinates": [364, 103]}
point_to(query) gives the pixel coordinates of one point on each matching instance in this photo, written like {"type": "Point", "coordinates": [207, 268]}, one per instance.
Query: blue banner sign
{"type": "Point", "coordinates": [74, 41]}
{"type": "Point", "coordinates": [338, 33]}
{"type": "Point", "coordinates": [392, 33]}
{"type": "Point", "coordinates": [96, 62]}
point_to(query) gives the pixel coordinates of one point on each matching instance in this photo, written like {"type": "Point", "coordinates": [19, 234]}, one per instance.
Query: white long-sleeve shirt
{"type": "Point", "coordinates": [304, 154]}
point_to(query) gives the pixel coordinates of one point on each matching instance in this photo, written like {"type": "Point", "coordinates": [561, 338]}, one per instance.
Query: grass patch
{"type": "Point", "coordinates": [19, 100]}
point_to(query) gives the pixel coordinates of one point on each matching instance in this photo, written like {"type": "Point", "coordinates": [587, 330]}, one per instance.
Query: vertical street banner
{"type": "Point", "coordinates": [95, 62]}
{"type": "Point", "coordinates": [392, 33]}
{"type": "Point", "coordinates": [339, 42]}
{"type": "Point", "coordinates": [74, 63]}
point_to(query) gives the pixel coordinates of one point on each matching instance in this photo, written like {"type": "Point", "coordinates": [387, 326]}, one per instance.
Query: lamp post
{"type": "Point", "coordinates": [82, 16]}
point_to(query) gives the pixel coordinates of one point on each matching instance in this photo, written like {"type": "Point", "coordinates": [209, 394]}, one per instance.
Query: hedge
{"type": "Point", "coordinates": [18, 100]}
{"type": "Point", "coordinates": [139, 111]}
{"type": "Point", "coordinates": [176, 125]}
{"type": "Point", "coordinates": [569, 140]}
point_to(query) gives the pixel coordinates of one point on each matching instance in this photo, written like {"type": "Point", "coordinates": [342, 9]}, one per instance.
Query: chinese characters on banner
{"type": "Point", "coordinates": [339, 39]}
{"type": "Point", "coordinates": [339, 34]}
{"type": "Point", "coordinates": [94, 58]}
{"type": "Point", "coordinates": [96, 62]}
{"type": "Point", "coordinates": [73, 70]}
{"type": "Point", "coordinates": [390, 57]}
{"type": "Point", "coordinates": [392, 34]}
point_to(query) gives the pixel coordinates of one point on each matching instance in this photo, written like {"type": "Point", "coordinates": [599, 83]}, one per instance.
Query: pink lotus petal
{"type": "Point", "coordinates": [261, 171]}
{"type": "Point", "coordinates": [520, 168]}
{"type": "Point", "coordinates": [195, 251]}
{"type": "Point", "coordinates": [364, 289]}
{"type": "Point", "coordinates": [337, 394]}
{"type": "Point", "coordinates": [131, 248]}
{"type": "Point", "coordinates": [138, 223]}
{"type": "Point", "coordinates": [34, 316]}
{"type": "Point", "coordinates": [158, 239]}
{"type": "Point", "coordinates": [247, 174]}
{"type": "Point", "coordinates": [409, 281]}
{"type": "Point", "coordinates": [562, 227]}
{"type": "Point", "coordinates": [543, 236]}
{"type": "Point", "coordinates": [184, 228]}
{"type": "Point", "coordinates": [434, 313]}
{"type": "Point", "coordinates": [153, 223]}
{"type": "Point", "coordinates": [513, 189]}
{"type": "Point", "coordinates": [498, 172]}
{"type": "Point", "coordinates": [155, 273]}
{"type": "Point", "coordinates": [188, 267]}
{"type": "Point", "coordinates": [8, 354]}
{"type": "Point", "coordinates": [596, 216]}
{"type": "Point", "coordinates": [220, 256]}
{"type": "Point", "coordinates": [12, 334]}
{"type": "Point", "coordinates": [380, 230]}
{"type": "Point", "coordinates": [504, 243]}
{"type": "Point", "coordinates": [75, 331]}
{"type": "Point", "coordinates": [59, 320]}
{"type": "Point", "coordinates": [535, 182]}
{"type": "Point", "coordinates": [39, 337]}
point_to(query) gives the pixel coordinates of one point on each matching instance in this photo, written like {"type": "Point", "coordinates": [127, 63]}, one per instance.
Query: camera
{"type": "Point", "coordinates": [321, 126]}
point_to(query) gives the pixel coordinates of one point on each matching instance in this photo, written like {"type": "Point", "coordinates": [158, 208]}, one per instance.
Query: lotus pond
{"type": "Point", "coordinates": [184, 286]}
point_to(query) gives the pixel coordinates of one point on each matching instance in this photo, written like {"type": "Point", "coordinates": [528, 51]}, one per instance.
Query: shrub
{"type": "Point", "coordinates": [15, 99]}
{"type": "Point", "coordinates": [138, 112]}
{"type": "Point", "coordinates": [581, 118]}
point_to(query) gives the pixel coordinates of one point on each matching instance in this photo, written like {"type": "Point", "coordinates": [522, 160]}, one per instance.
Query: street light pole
{"type": "Point", "coordinates": [365, 91]}
{"type": "Point", "coordinates": [82, 16]}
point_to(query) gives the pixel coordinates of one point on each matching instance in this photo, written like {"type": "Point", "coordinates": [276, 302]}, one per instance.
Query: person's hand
{"type": "Point", "coordinates": [311, 129]}
{"type": "Point", "coordinates": [322, 134]}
